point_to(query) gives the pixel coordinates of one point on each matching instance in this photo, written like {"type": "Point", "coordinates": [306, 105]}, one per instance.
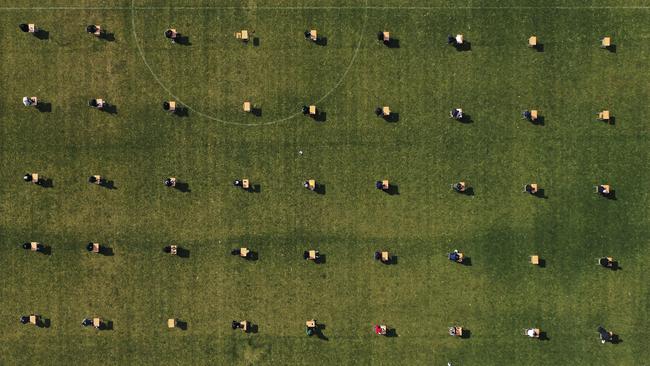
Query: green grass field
{"type": "Point", "coordinates": [499, 294]}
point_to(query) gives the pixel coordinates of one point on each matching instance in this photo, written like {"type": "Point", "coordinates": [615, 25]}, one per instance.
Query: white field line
{"type": "Point", "coordinates": [71, 8]}
{"type": "Point", "coordinates": [204, 115]}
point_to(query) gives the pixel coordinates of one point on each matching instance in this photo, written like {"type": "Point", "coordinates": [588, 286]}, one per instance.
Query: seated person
{"type": "Point", "coordinates": [87, 322]}
{"type": "Point", "coordinates": [456, 256]}
{"type": "Point", "coordinates": [29, 177]}
{"type": "Point", "coordinates": [24, 319]}
{"type": "Point", "coordinates": [305, 255]}
{"type": "Point", "coordinates": [605, 262]}
{"type": "Point", "coordinates": [236, 251]}
{"type": "Point", "coordinates": [27, 101]}
{"type": "Point", "coordinates": [171, 34]}
{"type": "Point", "coordinates": [532, 333]}
{"type": "Point", "coordinates": [529, 189]}
{"type": "Point", "coordinates": [605, 336]}
{"type": "Point", "coordinates": [305, 109]}
{"type": "Point", "coordinates": [93, 103]}
{"type": "Point", "coordinates": [526, 115]}
{"type": "Point", "coordinates": [28, 246]}
{"type": "Point", "coordinates": [603, 189]}
{"type": "Point", "coordinates": [380, 329]}
{"type": "Point", "coordinates": [459, 187]}
{"type": "Point", "coordinates": [456, 113]}
{"type": "Point", "coordinates": [169, 182]}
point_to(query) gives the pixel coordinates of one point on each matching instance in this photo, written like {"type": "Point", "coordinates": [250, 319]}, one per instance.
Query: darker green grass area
{"type": "Point", "coordinates": [139, 287]}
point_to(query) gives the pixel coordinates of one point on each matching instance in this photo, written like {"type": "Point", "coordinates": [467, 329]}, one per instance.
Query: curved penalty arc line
{"type": "Point", "coordinates": [211, 117]}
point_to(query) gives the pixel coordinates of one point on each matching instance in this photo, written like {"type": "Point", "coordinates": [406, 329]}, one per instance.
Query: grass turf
{"type": "Point", "coordinates": [139, 287]}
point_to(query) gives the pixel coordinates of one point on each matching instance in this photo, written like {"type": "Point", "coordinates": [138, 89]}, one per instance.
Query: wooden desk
{"type": "Point", "coordinates": [243, 252]}
{"type": "Point", "coordinates": [606, 42]}
{"type": "Point", "coordinates": [462, 186]}
{"type": "Point", "coordinates": [172, 106]}
{"type": "Point", "coordinates": [533, 115]}
{"type": "Point", "coordinates": [385, 184]}
{"type": "Point", "coordinates": [171, 323]}
{"type": "Point", "coordinates": [384, 256]}
{"type": "Point", "coordinates": [174, 250]}
{"type": "Point", "coordinates": [173, 180]}
{"type": "Point", "coordinates": [34, 101]}
{"type": "Point", "coordinates": [244, 325]}
{"type": "Point", "coordinates": [98, 179]}
{"type": "Point", "coordinates": [312, 254]}
{"type": "Point", "coordinates": [244, 35]}
{"type": "Point", "coordinates": [97, 322]}
{"type": "Point", "coordinates": [31, 28]}
{"type": "Point", "coordinates": [537, 332]}
{"type": "Point", "coordinates": [386, 36]}
{"type": "Point", "coordinates": [604, 115]}
{"type": "Point", "coordinates": [312, 184]}
{"type": "Point", "coordinates": [312, 110]}
{"type": "Point", "coordinates": [98, 30]}
{"type": "Point", "coordinates": [245, 183]}
{"type": "Point", "coordinates": [34, 246]}
{"type": "Point", "coordinates": [95, 247]}
{"type": "Point", "coordinates": [313, 35]}
{"type": "Point", "coordinates": [247, 106]}
{"type": "Point", "coordinates": [100, 103]}
{"type": "Point", "coordinates": [386, 111]}
{"type": "Point", "coordinates": [532, 41]}
{"type": "Point", "coordinates": [311, 323]}
{"type": "Point", "coordinates": [605, 188]}
{"type": "Point", "coordinates": [461, 256]}
{"type": "Point", "coordinates": [533, 187]}
{"type": "Point", "coordinates": [33, 319]}
{"type": "Point", "coordinates": [34, 177]}
{"type": "Point", "coordinates": [459, 331]}
{"type": "Point", "coordinates": [459, 38]}
{"type": "Point", "coordinates": [534, 259]}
